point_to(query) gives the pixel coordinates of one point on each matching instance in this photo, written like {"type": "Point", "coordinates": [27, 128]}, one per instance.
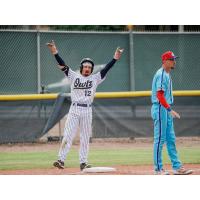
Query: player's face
{"type": "Point", "coordinates": [87, 69]}
{"type": "Point", "coordinates": [170, 64]}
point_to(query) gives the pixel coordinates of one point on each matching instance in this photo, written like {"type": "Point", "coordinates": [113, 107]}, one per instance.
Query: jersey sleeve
{"type": "Point", "coordinates": [105, 70]}
{"type": "Point", "coordinates": [98, 78]}
{"type": "Point", "coordinates": [71, 74]}
{"type": "Point", "coordinates": [162, 100]}
{"type": "Point", "coordinates": [161, 82]}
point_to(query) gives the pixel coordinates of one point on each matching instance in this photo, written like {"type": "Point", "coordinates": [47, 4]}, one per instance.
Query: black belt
{"type": "Point", "coordinates": [82, 104]}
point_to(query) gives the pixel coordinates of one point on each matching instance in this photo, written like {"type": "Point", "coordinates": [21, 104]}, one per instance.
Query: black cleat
{"type": "Point", "coordinates": [59, 164]}
{"type": "Point", "coordinates": [84, 166]}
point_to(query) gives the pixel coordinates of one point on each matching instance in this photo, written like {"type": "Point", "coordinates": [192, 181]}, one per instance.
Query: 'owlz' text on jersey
{"type": "Point", "coordinates": [85, 85]}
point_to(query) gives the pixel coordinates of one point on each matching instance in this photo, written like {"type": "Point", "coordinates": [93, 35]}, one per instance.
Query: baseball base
{"type": "Point", "coordinates": [99, 170]}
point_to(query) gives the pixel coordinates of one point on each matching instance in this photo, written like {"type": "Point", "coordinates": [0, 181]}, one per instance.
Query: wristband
{"type": "Point", "coordinates": [56, 52]}
{"type": "Point", "coordinates": [169, 109]}
{"type": "Point", "coordinates": [64, 68]}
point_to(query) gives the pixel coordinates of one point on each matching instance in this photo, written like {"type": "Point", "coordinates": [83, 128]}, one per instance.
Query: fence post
{"type": "Point", "coordinates": [38, 63]}
{"type": "Point", "coordinates": [181, 28]}
{"type": "Point", "coordinates": [132, 70]}
{"type": "Point", "coordinates": [181, 61]}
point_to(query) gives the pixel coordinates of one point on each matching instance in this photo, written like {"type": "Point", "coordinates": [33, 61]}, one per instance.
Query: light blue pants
{"type": "Point", "coordinates": [164, 132]}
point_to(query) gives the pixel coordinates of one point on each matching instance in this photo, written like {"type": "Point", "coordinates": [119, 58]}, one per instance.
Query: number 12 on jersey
{"type": "Point", "coordinates": [87, 93]}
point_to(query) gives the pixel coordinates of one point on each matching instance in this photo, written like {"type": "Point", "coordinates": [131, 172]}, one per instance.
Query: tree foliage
{"type": "Point", "coordinates": [89, 27]}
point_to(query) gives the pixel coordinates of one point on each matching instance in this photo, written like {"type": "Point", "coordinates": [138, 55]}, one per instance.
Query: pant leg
{"type": "Point", "coordinates": [85, 133]}
{"type": "Point", "coordinates": [70, 130]}
{"type": "Point", "coordinates": [171, 144]}
{"type": "Point", "coordinates": [159, 116]}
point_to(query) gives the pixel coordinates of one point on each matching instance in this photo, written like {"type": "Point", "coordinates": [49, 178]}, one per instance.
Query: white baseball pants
{"type": "Point", "coordinates": [78, 117]}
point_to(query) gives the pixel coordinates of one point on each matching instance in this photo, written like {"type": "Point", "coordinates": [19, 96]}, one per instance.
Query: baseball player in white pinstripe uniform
{"type": "Point", "coordinates": [83, 88]}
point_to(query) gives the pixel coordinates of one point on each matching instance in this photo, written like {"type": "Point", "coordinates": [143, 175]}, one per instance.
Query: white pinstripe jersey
{"type": "Point", "coordinates": [83, 88]}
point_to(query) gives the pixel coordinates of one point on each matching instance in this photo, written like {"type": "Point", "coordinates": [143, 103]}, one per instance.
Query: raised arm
{"type": "Point", "coordinates": [116, 57]}
{"type": "Point", "coordinates": [60, 61]}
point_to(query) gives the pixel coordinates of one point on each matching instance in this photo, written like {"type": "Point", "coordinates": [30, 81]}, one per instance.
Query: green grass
{"type": "Point", "coordinates": [98, 157]}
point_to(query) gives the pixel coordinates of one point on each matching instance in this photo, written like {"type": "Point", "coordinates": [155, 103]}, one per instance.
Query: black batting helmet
{"type": "Point", "coordinates": [84, 60]}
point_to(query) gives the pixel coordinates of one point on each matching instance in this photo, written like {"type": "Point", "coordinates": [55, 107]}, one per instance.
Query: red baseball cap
{"type": "Point", "coordinates": [168, 55]}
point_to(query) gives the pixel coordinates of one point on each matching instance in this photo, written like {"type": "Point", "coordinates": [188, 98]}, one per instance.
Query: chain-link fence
{"type": "Point", "coordinates": [18, 62]}
{"type": "Point", "coordinates": [26, 63]}
{"type": "Point", "coordinates": [149, 47]}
